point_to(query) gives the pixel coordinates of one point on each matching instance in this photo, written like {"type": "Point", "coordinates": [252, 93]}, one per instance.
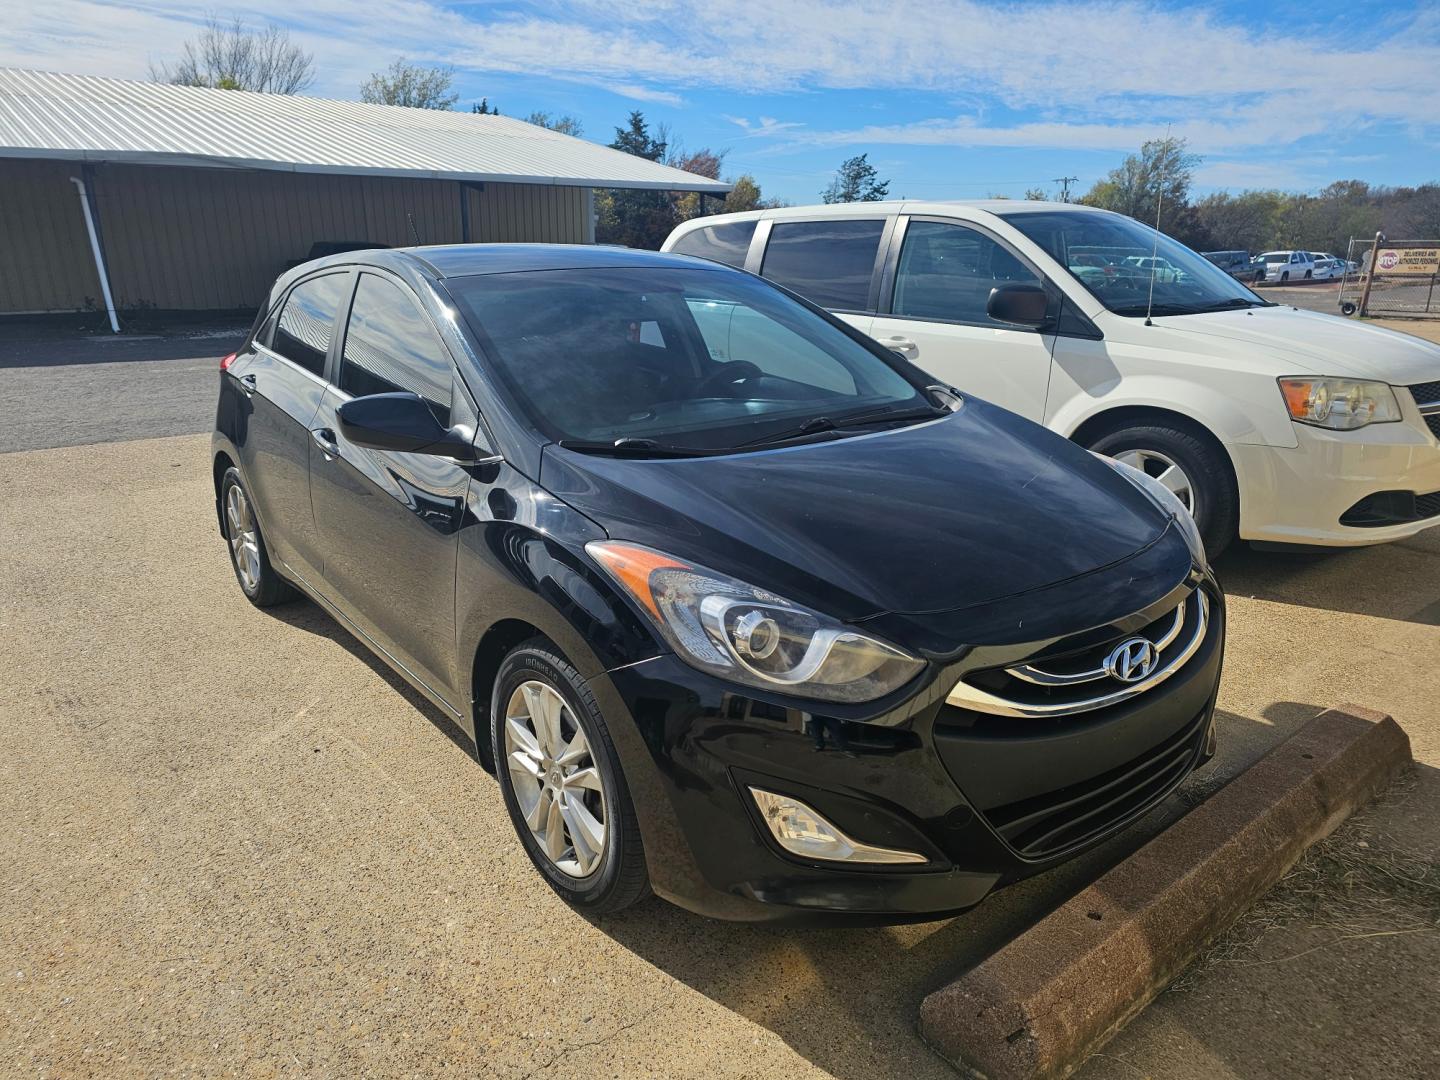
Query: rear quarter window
{"type": "Point", "coordinates": [726, 242]}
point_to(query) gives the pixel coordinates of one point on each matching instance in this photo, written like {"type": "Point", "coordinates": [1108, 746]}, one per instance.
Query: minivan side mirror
{"type": "Point", "coordinates": [1020, 303]}
{"type": "Point", "coordinates": [403, 423]}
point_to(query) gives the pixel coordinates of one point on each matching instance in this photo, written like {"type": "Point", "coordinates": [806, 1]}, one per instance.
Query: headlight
{"type": "Point", "coordinates": [1164, 498]}
{"type": "Point", "coordinates": [750, 636]}
{"type": "Point", "coordinates": [1339, 404]}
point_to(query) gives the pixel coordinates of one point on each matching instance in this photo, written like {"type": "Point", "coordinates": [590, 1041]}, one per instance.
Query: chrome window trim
{"type": "Point", "coordinates": [285, 359]}
{"type": "Point", "coordinates": [965, 696]}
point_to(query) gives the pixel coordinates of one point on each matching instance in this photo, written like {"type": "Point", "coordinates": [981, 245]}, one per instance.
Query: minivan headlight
{"type": "Point", "coordinates": [1165, 499]}
{"type": "Point", "coordinates": [751, 636]}
{"type": "Point", "coordinates": [1339, 404]}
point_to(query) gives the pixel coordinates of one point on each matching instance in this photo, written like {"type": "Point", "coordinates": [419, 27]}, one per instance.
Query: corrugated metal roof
{"type": "Point", "coordinates": [87, 118]}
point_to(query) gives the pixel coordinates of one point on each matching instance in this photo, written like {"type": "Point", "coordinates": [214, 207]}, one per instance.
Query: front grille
{"type": "Point", "coordinates": [1428, 393]}
{"type": "Point", "coordinates": [1048, 824]}
{"type": "Point", "coordinates": [1428, 506]}
{"type": "Point", "coordinates": [1093, 677]}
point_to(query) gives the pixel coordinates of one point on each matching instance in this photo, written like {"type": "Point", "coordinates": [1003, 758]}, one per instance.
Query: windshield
{"type": "Point", "coordinates": [673, 357]}
{"type": "Point", "coordinates": [1117, 257]}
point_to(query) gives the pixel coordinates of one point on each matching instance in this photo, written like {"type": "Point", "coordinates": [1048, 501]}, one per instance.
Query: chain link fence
{"type": "Point", "coordinates": [1400, 282]}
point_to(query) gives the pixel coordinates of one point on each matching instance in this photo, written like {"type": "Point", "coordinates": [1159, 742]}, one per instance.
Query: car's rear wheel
{"type": "Point", "coordinates": [1187, 463]}
{"type": "Point", "coordinates": [258, 580]}
{"type": "Point", "coordinates": [563, 784]}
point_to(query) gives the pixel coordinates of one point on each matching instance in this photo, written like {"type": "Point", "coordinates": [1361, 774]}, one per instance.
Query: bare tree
{"type": "Point", "coordinates": [566, 125]}
{"type": "Point", "coordinates": [412, 85]}
{"type": "Point", "coordinates": [231, 56]}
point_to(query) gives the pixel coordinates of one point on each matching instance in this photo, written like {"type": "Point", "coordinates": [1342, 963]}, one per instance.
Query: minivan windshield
{"type": "Point", "coordinates": [675, 358]}
{"type": "Point", "coordinates": [1114, 257]}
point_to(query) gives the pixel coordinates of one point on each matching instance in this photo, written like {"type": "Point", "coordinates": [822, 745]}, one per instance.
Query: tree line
{"type": "Point", "coordinates": [1159, 179]}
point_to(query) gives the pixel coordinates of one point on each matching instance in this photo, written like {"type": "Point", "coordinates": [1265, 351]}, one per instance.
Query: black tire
{"type": "Point", "coordinates": [1309, 274]}
{"type": "Point", "coordinates": [1285, 275]}
{"type": "Point", "coordinates": [1202, 461]}
{"type": "Point", "coordinates": [268, 588]}
{"type": "Point", "coordinates": [621, 878]}
{"type": "Point", "coordinates": [1347, 309]}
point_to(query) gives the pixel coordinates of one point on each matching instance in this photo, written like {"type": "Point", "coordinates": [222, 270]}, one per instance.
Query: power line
{"type": "Point", "coordinates": [1065, 182]}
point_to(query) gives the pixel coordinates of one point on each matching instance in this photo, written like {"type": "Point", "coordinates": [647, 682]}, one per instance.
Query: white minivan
{"type": "Point", "coordinates": [1270, 423]}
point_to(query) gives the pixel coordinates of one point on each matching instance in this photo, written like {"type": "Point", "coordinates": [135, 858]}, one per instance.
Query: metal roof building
{"type": "Point", "coordinates": [197, 198]}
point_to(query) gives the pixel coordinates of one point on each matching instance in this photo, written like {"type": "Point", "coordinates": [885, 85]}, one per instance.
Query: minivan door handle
{"type": "Point", "coordinates": [247, 383]}
{"type": "Point", "coordinates": [903, 345]}
{"type": "Point", "coordinates": [325, 439]}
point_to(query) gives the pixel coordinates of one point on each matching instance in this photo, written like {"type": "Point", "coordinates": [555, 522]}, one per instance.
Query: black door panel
{"type": "Point", "coordinates": [388, 524]}
{"type": "Point", "coordinates": [278, 402]}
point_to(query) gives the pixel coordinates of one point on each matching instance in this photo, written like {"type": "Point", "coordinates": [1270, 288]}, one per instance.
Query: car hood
{"type": "Point", "coordinates": [1319, 344]}
{"type": "Point", "coordinates": [941, 515]}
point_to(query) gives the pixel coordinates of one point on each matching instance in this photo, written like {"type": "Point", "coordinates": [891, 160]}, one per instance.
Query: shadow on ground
{"type": "Point", "coordinates": [1400, 580]}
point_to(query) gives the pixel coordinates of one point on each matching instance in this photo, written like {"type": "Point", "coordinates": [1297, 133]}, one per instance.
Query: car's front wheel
{"type": "Point", "coordinates": [1191, 466]}
{"type": "Point", "coordinates": [563, 784]}
{"type": "Point", "coordinates": [258, 580]}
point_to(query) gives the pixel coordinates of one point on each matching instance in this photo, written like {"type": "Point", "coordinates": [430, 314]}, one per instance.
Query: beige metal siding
{"type": "Point", "coordinates": [45, 260]}
{"type": "Point", "coordinates": [528, 213]}
{"type": "Point", "coordinates": [215, 239]}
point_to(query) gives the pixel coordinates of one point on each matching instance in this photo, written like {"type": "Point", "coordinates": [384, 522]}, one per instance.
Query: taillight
{"type": "Point", "coordinates": [226, 361]}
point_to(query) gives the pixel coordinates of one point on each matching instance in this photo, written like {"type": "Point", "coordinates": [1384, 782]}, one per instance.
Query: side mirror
{"type": "Point", "coordinates": [402, 423]}
{"type": "Point", "coordinates": [1019, 303]}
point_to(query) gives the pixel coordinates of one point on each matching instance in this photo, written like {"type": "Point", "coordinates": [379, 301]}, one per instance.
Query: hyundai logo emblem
{"type": "Point", "coordinates": [1132, 660]}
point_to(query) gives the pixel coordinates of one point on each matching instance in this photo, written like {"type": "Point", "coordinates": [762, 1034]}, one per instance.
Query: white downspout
{"type": "Point", "coordinates": [95, 250]}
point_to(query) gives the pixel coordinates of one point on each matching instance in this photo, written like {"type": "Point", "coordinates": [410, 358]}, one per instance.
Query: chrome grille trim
{"type": "Point", "coordinates": [1040, 677]}
{"type": "Point", "coordinates": [965, 696]}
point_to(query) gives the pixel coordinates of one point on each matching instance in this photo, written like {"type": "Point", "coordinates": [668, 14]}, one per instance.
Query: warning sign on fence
{"type": "Point", "coordinates": [1409, 260]}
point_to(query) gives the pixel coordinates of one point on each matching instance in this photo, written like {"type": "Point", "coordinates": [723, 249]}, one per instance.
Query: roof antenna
{"type": "Point", "coordinates": [1155, 248]}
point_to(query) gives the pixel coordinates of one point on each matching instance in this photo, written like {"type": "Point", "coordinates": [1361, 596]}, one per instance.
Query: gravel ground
{"type": "Point", "coordinates": [236, 844]}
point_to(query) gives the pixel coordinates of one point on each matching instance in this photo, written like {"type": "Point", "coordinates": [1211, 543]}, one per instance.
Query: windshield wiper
{"type": "Point", "coordinates": [817, 424]}
{"type": "Point", "coordinates": [631, 447]}
{"type": "Point", "coordinates": [1236, 302]}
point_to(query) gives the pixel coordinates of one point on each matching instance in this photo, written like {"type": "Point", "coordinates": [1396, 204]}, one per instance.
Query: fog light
{"type": "Point", "coordinates": [801, 830]}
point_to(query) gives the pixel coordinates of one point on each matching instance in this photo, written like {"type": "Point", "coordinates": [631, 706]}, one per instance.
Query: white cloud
{"type": "Point", "coordinates": [1099, 74]}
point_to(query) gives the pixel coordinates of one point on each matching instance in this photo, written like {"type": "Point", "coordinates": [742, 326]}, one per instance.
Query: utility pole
{"type": "Point", "coordinates": [1065, 182]}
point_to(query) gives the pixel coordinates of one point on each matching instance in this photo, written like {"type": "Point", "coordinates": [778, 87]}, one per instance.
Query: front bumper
{"type": "Point", "coordinates": [1299, 495]}
{"type": "Point", "coordinates": [921, 775]}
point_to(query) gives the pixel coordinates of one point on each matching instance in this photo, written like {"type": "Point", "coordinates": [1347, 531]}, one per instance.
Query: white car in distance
{"type": "Point", "coordinates": [1288, 266]}
{"type": "Point", "coordinates": [1269, 423]}
{"type": "Point", "coordinates": [1327, 267]}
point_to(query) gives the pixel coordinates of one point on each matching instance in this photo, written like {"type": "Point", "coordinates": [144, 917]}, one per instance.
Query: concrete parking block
{"type": "Point", "coordinates": [1044, 1002]}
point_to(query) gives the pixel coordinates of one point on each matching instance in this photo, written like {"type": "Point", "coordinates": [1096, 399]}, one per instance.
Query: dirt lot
{"type": "Point", "coordinates": [236, 844]}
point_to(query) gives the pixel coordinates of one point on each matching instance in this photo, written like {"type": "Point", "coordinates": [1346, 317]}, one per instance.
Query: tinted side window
{"type": "Point", "coordinates": [391, 346]}
{"type": "Point", "coordinates": [830, 263]}
{"type": "Point", "coordinates": [307, 321]}
{"type": "Point", "coordinates": [727, 243]}
{"type": "Point", "coordinates": [947, 271]}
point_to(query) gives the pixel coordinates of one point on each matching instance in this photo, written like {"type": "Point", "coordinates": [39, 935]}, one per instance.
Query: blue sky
{"type": "Point", "coordinates": [951, 99]}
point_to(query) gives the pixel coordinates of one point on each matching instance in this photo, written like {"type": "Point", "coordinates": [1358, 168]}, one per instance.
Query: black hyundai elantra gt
{"type": "Point", "coordinates": [739, 606]}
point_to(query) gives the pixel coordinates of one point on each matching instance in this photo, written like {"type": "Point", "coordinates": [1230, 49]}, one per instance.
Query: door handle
{"type": "Point", "coordinates": [247, 383]}
{"type": "Point", "coordinates": [325, 439]}
{"type": "Point", "coordinates": [903, 345]}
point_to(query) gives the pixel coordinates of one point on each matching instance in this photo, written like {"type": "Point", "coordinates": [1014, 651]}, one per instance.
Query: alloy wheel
{"type": "Point", "coordinates": [243, 536]}
{"type": "Point", "coordinates": [557, 785]}
{"type": "Point", "coordinates": [1161, 467]}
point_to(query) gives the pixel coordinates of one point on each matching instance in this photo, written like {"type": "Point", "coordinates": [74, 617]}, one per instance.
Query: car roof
{"type": "Point", "coordinates": [469, 260]}
{"type": "Point", "coordinates": [939, 207]}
